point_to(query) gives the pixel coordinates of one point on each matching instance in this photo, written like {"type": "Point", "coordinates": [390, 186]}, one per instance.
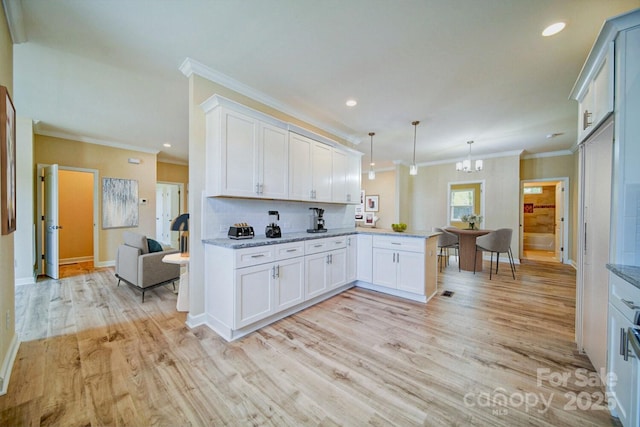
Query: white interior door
{"type": "Point", "coordinates": [167, 209]}
{"type": "Point", "coordinates": [51, 227]}
{"type": "Point", "coordinates": [559, 222]}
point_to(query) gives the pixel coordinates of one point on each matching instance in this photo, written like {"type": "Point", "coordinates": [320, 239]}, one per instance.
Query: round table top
{"type": "Point", "coordinates": [468, 231]}
{"type": "Point", "coordinates": [175, 258]}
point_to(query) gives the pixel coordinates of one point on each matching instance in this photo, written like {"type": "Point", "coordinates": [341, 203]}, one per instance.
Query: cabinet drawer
{"type": "Point", "coordinates": [399, 243]}
{"type": "Point", "coordinates": [624, 296]}
{"type": "Point", "coordinates": [254, 256]}
{"type": "Point", "coordinates": [289, 250]}
{"type": "Point", "coordinates": [316, 246]}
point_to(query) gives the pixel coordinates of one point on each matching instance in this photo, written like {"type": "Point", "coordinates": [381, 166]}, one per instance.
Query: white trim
{"type": "Point", "coordinates": [7, 365]}
{"type": "Point", "coordinates": [548, 154]}
{"type": "Point", "coordinates": [111, 263]}
{"type": "Point", "coordinates": [95, 141]}
{"type": "Point", "coordinates": [26, 280]}
{"type": "Point", "coordinates": [13, 12]}
{"type": "Point", "coordinates": [484, 156]}
{"type": "Point", "coordinates": [190, 66]}
{"type": "Point", "coordinates": [173, 162]}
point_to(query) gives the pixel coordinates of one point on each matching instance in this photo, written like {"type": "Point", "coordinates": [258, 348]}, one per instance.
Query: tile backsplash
{"type": "Point", "coordinates": [221, 213]}
{"type": "Point", "coordinates": [631, 225]}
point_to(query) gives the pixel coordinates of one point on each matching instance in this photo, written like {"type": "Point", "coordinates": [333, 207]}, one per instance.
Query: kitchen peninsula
{"type": "Point", "coordinates": [252, 283]}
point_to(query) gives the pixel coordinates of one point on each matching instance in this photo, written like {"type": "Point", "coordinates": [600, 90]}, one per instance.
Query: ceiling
{"type": "Point", "coordinates": [108, 71]}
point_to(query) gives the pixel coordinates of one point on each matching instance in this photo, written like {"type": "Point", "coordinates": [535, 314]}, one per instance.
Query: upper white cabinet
{"type": "Point", "coordinates": [596, 96]}
{"type": "Point", "coordinates": [246, 157]}
{"type": "Point", "coordinates": [309, 169]}
{"type": "Point", "coordinates": [250, 154]}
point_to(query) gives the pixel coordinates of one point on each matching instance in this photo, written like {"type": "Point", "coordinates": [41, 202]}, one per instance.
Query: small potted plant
{"type": "Point", "coordinates": [472, 219]}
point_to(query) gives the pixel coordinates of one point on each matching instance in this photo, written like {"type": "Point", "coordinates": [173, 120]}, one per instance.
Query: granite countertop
{"type": "Point", "coordinates": [261, 240]}
{"type": "Point", "coordinates": [630, 273]}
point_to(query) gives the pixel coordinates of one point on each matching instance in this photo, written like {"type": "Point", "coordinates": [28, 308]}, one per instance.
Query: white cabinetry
{"type": "Point", "coordinates": [325, 265]}
{"type": "Point", "coordinates": [623, 389]}
{"type": "Point", "coordinates": [365, 260]}
{"type": "Point", "coordinates": [345, 177]}
{"type": "Point", "coordinates": [352, 258]}
{"type": "Point", "coordinates": [246, 157]}
{"type": "Point", "coordinates": [399, 262]}
{"type": "Point", "coordinates": [309, 169]}
{"type": "Point", "coordinates": [596, 100]}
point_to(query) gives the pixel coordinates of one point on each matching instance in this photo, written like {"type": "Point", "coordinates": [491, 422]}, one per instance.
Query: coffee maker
{"type": "Point", "coordinates": [273, 229]}
{"type": "Point", "coordinates": [317, 222]}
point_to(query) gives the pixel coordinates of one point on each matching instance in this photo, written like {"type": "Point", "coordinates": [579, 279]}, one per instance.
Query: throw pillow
{"type": "Point", "coordinates": [154, 246]}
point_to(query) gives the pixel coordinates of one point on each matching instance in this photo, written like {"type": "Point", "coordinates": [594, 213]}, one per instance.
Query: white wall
{"type": "Point", "coordinates": [24, 249]}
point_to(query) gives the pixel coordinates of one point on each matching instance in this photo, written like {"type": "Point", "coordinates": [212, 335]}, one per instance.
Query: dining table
{"type": "Point", "coordinates": [467, 253]}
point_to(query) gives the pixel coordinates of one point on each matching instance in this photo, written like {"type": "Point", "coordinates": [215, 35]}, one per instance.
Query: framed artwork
{"type": "Point", "coordinates": [371, 203]}
{"type": "Point", "coordinates": [7, 161]}
{"type": "Point", "coordinates": [360, 208]}
{"type": "Point", "coordinates": [369, 219]}
{"type": "Point", "coordinates": [119, 203]}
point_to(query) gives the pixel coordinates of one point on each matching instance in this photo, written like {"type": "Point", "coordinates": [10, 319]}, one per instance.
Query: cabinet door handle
{"type": "Point", "coordinates": [630, 304]}
{"type": "Point", "coordinates": [257, 188]}
{"type": "Point", "coordinates": [277, 271]}
{"type": "Point", "coordinates": [328, 260]}
{"type": "Point", "coordinates": [317, 246]}
{"type": "Point", "coordinates": [396, 243]}
{"type": "Point", "coordinates": [273, 272]}
{"type": "Point", "coordinates": [348, 197]}
{"type": "Point", "coordinates": [398, 258]}
{"type": "Point", "coordinates": [621, 350]}
{"type": "Point", "coordinates": [291, 250]}
{"type": "Point", "coordinates": [625, 345]}
{"type": "Point", "coordinates": [394, 257]}
{"type": "Point", "coordinates": [257, 256]}
{"type": "Point", "coordinates": [586, 119]}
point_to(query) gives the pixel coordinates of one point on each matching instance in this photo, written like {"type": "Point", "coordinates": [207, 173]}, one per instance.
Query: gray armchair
{"type": "Point", "coordinates": [141, 269]}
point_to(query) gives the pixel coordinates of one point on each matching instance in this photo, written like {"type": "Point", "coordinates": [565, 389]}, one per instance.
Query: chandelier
{"type": "Point", "coordinates": [465, 165]}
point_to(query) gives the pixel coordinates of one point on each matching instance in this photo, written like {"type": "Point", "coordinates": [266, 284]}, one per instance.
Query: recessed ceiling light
{"type": "Point", "coordinates": [351, 103]}
{"type": "Point", "coordinates": [553, 29]}
{"type": "Point", "coordinates": [166, 144]}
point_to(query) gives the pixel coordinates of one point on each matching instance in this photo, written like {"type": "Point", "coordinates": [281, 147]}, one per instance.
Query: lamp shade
{"type": "Point", "coordinates": [181, 223]}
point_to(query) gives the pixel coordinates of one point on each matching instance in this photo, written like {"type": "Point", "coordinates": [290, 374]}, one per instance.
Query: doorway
{"type": "Point", "coordinates": [70, 200]}
{"type": "Point", "coordinates": [168, 207]}
{"type": "Point", "coordinates": [544, 223]}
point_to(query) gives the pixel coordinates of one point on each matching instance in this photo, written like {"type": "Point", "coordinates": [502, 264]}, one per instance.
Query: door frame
{"type": "Point", "coordinates": [565, 229]}
{"type": "Point", "coordinates": [40, 210]}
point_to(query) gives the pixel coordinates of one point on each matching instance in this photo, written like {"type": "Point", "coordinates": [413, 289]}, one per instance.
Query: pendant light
{"type": "Point", "coordinates": [372, 173]}
{"type": "Point", "coordinates": [465, 165]}
{"type": "Point", "coordinates": [413, 169]}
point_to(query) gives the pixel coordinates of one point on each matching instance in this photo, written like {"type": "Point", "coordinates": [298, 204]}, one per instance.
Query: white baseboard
{"type": "Point", "coordinates": [26, 280]}
{"type": "Point", "coordinates": [75, 260]}
{"type": "Point", "coordinates": [111, 263]}
{"type": "Point", "coordinates": [7, 366]}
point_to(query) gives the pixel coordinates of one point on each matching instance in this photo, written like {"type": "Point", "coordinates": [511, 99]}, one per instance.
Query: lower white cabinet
{"type": "Point", "coordinates": [399, 263]}
{"type": "Point", "coordinates": [325, 270]}
{"type": "Point", "coordinates": [254, 287]}
{"type": "Point", "coordinates": [624, 299]}
{"type": "Point", "coordinates": [352, 258]}
{"type": "Point", "coordinates": [364, 258]}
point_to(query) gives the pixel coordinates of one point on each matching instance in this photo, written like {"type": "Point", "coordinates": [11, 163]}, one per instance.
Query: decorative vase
{"type": "Point", "coordinates": [472, 226]}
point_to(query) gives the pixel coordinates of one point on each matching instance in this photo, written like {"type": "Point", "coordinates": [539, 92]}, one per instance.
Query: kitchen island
{"type": "Point", "coordinates": [254, 282]}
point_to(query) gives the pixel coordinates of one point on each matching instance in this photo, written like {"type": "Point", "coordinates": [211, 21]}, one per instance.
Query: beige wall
{"type": "Point", "coordinates": [558, 167]}
{"type": "Point", "coordinates": [111, 163]}
{"type": "Point", "coordinates": [7, 278]}
{"type": "Point", "coordinates": [75, 210]}
{"type": "Point", "coordinates": [170, 172]}
{"type": "Point", "coordinates": [384, 186]}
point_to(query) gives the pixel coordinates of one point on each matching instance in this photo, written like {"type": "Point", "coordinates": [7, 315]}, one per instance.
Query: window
{"type": "Point", "coordinates": [461, 203]}
{"type": "Point", "coordinates": [532, 190]}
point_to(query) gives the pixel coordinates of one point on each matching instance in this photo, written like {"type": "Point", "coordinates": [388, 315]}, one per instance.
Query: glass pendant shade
{"type": "Point", "coordinates": [465, 165]}
{"type": "Point", "coordinates": [372, 173]}
{"type": "Point", "coordinates": [413, 169]}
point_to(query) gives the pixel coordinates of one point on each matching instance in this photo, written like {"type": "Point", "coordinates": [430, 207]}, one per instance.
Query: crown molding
{"type": "Point", "coordinates": [548, 154]}
{"type": "Point", "coordinates": [190, 66]}
{"type": "Point", "coordinates": [95, 141]}
{"type": "Point", "coordinates": [15, 21]}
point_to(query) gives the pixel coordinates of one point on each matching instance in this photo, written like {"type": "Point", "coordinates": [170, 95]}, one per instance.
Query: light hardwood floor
{"type": "Point", "coordinates": [93, 354]}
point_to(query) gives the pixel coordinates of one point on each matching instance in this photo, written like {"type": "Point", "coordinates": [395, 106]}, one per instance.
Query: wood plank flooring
{"type": "Point", "coordinates": [93, 354]}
